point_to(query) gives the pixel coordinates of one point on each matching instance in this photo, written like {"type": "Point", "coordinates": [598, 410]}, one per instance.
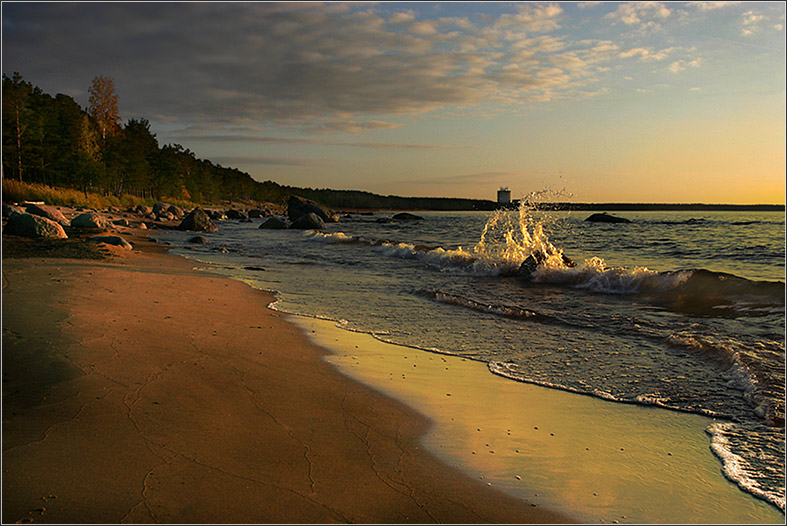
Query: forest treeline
{"type": "Point", "coordinates": [52, 140]}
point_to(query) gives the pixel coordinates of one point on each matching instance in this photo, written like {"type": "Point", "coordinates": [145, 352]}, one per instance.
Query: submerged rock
{"type": "Point", "coordinates": [200, 240]}
{"type": "Point", "coordinates": [406, 216]}
{"type": "Point", "coordinates": [273, 223]}
{"type": "Point", "coordinates": [606, 218]}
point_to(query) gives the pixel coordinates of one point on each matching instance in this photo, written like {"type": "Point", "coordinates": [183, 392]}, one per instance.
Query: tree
{"type": "Point", "coordinates": [104, 106]}
{"type": "Point", "coordinates": [16, 114]}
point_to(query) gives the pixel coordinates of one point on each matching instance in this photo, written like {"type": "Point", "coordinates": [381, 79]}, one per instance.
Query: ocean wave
{"type": "Point", "coordinates": [736, 468]}
{"type": "Point", "coordinates": [506, 311]}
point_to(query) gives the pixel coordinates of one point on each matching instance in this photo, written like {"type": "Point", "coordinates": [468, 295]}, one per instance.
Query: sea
{"type": "Point", "coordinates": [682, 309]}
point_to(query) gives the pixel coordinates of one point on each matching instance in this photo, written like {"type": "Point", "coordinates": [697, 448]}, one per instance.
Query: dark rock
{"type": "Point", "coordinates": [217, 215]}
{"type": "Point", "coordinates": [256, 213]}
{"type": "Point", "coordinates": [29, 225]}
{"type": "Point", "coordinates": [273, 223]}
{"type": "Point", "coordinates": [143, 210]}
{"type": "Point", "coordinates": [236, 214]}
{"type": "Point", "coordinates": [166, 215]}
{"type": "Point", "coordinates": [310, 221]}
{"type": "Point", "coordinates": [258, 269]}
{"type": "Point", "coordinates": [531, 263]}
{"type": "Point", "coordinates": [9, 210]}
{"type": "Point", "coordinates": [405, 216]}
{"type": "Point", "coordinates": [89, 220]}
{"type": "Point", "coordinates": [606, 218]}
{"type": "Point", "coordinates": [49, 212]}
{"type": "Point", "coordinates": [159, 207]}
{"type": "Point", "coordinates": [120, 222]}
{"type": "Point", "coordinates": [298, 207]}
{"type": "Point", "coordinates": [113, 240]}
{"type": "Point", "coordinates": [200, 240]}
{"type": "Point", "coordinates": [175, 211]}
{"type": "Point", "coordinates": [198, 221]}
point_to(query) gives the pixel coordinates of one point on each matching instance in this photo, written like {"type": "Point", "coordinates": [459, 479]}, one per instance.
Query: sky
{"type": "Point", "coordinates": [587, 101]}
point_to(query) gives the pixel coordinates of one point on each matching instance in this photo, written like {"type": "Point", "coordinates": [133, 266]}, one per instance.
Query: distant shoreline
{"type": "Point", "coordinates": [661, 207]}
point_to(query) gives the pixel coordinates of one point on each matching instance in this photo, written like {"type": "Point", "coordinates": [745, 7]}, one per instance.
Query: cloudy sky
{"type": "Point", "coordinates": [643, 101]}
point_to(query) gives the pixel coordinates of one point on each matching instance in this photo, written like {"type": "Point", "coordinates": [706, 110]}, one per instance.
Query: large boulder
{"type": "Point", "coordinates": [273, 223]}
{"type": "Point", "coordinates": [298, 207]}
{"type": "Point", "coordinates": [310, 221]}
{"type": "Point", "coordinates": [29, 225]}
{"type": "Point", "coordinates": [606, 218]}
{"type": "Point", "coordinates": [90, 220]}
{"type": "Point", "coordinates": [532, 262]}
{"type": "Point", "coordinates": [49, 212]}
{"type": "Point", "coordinates": [198, 221]}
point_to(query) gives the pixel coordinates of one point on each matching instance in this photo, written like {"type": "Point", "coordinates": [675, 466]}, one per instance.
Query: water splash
{"type": "Point", "coordinates": [509, 238]}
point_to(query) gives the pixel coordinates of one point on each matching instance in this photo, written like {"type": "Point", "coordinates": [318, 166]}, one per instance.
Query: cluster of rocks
{"type": "Point", "coordinates": [38, 220]}
{"type": "Point", "coordinates": [302, 214]}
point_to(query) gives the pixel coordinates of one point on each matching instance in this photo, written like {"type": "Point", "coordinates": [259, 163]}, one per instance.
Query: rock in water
{"type": "Point", "coordinates": [298, 207]}
{"type": "Point", "coordinates": [199, 240]}
{"type": "Point", "coordinates": [531, 263]}
{"type": "Point", "coordinates": [405, 216]}
{"type": "Point", "coordinates": [113, 240]}
{"type": "Point", "coordinates": [310, 221]}
{"type": "Point", "coordinates": [198, 221]}
{"type": "Point", "coordinates": [606, 218]}
{"type": "Point", "coordinates": [273, 223]}
{"type": "Point", "coordinates": [89, 220]}
{"type": "Point", "coordinates": [28, 225]}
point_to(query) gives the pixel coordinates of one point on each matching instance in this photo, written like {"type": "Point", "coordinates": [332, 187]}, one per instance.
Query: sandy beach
{"type": "Point", "coordinates": [138, 390]}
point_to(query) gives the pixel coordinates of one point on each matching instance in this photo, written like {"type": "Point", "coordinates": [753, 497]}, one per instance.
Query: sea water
{"type": "Point", "coordinates": [683, 310]}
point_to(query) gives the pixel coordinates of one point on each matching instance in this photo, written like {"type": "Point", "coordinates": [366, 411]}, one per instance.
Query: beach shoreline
{"type": "Point", "coordinates": [137, 389]}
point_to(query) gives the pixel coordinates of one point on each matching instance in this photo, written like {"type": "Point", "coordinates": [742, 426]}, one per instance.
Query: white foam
{"type": "Point", "coordinates": [734, 466]}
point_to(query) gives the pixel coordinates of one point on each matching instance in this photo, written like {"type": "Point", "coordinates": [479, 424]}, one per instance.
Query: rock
{"type": "Point", "coordinates": [256, 213]}
{"type": "Point", "coordinates": [175, 211]}
{"type": "Point", "coordinates": [606, 218]}
{"type": "Point", "coordinates": [200, 240]}
{"type": "Point", "coordinates": [89, 220]}
{"type": "Point", "coordinates": [298, 207]}
{"type": "Point", "coordinates": [198, 221]}
{"type": "Point", "coordinates": [29, 225]}
{"type": "Point", "coordinates": [9, 210]}
{"type": "Point", "coordinates": [216, 215]}
{"type": "Point", "coordinates": [531, 263]}
{"type": "Point", "coordinates": [166, 215]}
{"type": "Point", "coordinates": [310, 221]}
{"type": "Point", "coordinates": [160, 207]}
{"type": "Point", "coordinates": [236, 214]}
{"type": "Point", "coordinates": [143, 226]}
{"type": "Point", "coordinates": [113, 240]}
{"type": "Point", "coordinates": [143, 210]}
{"type": "Point", "coordinates": [120, 222]}
{"type": "Point", "coordinates": [49, 212]}
{"type": "Point", "coordinates": [273, 223]}
{"type": "Point", "coordinates": [405, 216]}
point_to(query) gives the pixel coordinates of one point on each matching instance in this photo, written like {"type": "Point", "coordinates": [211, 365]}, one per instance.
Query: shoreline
{"type": "Point", "coordinates": [597, 460]}
{"type": "Point", "coordinates": [137, 389]}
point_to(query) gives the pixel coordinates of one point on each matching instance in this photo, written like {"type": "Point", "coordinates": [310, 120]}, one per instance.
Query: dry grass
{"type": "Point", "coordinates": [18, 191]}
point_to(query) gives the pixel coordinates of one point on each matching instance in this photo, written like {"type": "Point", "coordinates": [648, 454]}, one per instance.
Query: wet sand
{"type": "Point", "coordinates": [598, 461]}
{"type": "Point", "coordinates": [138, 390]}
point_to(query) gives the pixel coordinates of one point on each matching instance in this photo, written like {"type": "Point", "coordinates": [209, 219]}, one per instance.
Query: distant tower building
{"type": "Point", "coordinates": [504, 195]}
